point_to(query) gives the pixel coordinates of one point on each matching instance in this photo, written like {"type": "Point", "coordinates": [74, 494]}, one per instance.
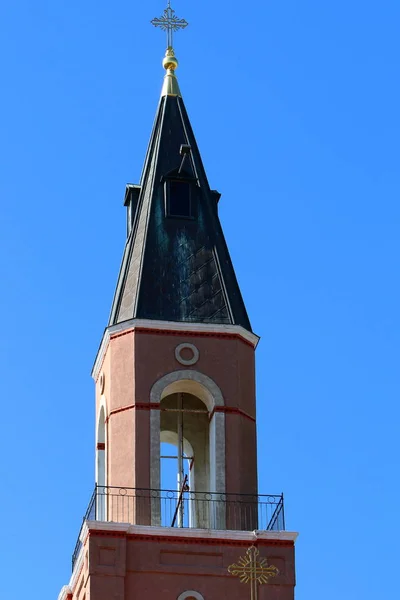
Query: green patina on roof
{"type": "Point", "coordinates": [176, 269]}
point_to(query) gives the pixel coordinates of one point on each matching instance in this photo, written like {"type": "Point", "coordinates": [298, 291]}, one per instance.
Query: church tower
{"type": "Point", "coordinates": [175, 401]}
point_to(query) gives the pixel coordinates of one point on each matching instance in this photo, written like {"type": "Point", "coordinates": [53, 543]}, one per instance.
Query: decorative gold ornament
{"type": "Point", "coordinates": [170, 61]}
{"type": "Point", "coordinates": [170, 23]}
{"type": "Point", "coordinates": [251, 570]}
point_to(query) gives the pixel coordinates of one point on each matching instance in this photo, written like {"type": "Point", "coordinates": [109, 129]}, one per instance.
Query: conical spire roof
{"type": "Point", "coordinates": [176, 265]}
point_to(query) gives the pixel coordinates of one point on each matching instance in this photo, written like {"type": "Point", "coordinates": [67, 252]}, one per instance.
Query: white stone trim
{"type": "Point", "coordinates": [252, 338]}
{"type": "Point", "coordinates": [64, 592]}
{"type": "Point", "coordinates": [217, 453]}
{"type": "Point", "coordinates": [155, 476]}
{"type": "Point", "coordinates": [187, 362]}
{"type": "Point", "coordinates": [103, 404]}
{"type": "Point", "coordinates": [101, 462]}
{"type": "Point", "coordinates": [177, 532]}
{"type": "Point", "coordinates": [101, 433]}
{"type": "Point", "coordinates": [68, 589]}
{"type": "Point", "coordinates": [190, 594]}
{"type": "Point", "coordinates": [188, 381]}
{"type": "Point", "coordinates": [110, 526]}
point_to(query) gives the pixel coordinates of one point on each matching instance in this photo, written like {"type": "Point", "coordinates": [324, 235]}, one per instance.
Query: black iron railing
{"type": "Point", "coordinates": [169, 508]}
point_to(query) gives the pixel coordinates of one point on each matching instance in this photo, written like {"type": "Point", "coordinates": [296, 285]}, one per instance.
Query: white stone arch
{"type": "Point", "coordinates": [190, 594]}
{"type": "Point", "coordinates": [190, 381]}
{"type": "Point", "coordinates": [202, 386]}
{"type": "Point", "coordinates": [103, 404]}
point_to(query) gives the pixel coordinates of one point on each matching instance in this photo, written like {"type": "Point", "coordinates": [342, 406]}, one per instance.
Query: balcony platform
{"type": "Point", "coordinates": [161, 510]}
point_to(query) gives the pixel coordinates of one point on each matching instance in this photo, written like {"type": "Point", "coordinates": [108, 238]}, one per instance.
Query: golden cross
{"type": "Point", "coordinates": [252, 570]}
{"type": "Point", "coordinates": [170, 23]}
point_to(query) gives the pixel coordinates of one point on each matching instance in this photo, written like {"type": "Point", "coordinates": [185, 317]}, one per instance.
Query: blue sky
{"type": "Point", "coordinates": [296, 109]}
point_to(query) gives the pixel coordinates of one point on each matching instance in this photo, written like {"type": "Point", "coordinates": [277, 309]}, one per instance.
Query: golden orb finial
{"type": "Point", "coordinates": [170, 61]}
{"type": "Point", "coordinates": [170, 64]}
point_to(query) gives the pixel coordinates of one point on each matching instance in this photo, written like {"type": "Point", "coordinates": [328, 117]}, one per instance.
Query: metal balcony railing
{"type": "Point", "coordinates": [169, 508]}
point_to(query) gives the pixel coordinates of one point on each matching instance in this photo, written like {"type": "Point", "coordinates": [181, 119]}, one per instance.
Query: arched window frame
{"type": "Point", "coordinates": [202, 386]}
{"type": "Point", "coordinates": [101, 461]}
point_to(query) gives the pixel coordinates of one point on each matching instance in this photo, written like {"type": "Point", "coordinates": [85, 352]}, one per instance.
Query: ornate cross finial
{"type": "Point", "coordinates": [170, 23]}
{"type": "Point", "coordinates": [251, 570]}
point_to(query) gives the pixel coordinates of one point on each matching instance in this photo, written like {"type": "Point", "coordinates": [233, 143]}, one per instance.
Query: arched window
{"type": "Point", "coordinates": [188, 421]}
{"type": "Point", "coordinates": [101, 467]}
{"type": "Point", "coordinates": [184, 459]}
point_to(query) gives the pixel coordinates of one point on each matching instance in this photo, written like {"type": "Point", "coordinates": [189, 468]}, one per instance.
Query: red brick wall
{"type": "Point", "coordinates": [129, 567]}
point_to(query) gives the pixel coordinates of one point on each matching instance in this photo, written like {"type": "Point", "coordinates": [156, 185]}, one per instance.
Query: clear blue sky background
{"type": "Point", "coordinates": [296, 109]}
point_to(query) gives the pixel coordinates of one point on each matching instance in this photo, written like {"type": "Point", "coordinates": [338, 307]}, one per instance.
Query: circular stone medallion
{"type": "Point", "coordinates": [102, 383]}
{"type": "Point", "coordinates": [187, 354]}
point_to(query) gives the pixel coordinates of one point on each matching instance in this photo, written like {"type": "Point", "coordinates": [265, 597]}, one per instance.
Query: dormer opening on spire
{"type": "Point", "coordinates": [180, 188]}
{"type": "Point", "coordinates": [178, 199]}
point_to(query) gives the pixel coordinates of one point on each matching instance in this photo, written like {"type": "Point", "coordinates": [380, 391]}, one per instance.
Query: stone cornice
{"type": "Point", "coordinates": [169, 326]}
{"type": "Point", "coordinates": [184, 533]}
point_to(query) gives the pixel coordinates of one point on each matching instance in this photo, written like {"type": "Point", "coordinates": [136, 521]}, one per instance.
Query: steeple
{"type": "Point", "coordinates": [175, 387]}
{"type": "Point", "coordinates": [176, 265]}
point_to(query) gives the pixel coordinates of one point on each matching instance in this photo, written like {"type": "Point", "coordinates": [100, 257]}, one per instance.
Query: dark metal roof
{"type": "Point", "coordinates": [176, 269]}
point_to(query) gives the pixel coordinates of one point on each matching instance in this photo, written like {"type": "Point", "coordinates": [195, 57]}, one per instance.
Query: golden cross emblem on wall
{"type": "Point", "coordinates": [170, 23]}
{"type": "Point", "coordinates": [251, 569]}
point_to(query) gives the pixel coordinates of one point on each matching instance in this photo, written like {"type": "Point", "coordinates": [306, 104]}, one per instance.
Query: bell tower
{"type": "Point", "coordinates": [176, 369]}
